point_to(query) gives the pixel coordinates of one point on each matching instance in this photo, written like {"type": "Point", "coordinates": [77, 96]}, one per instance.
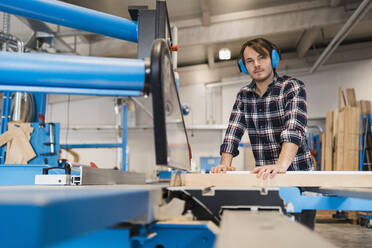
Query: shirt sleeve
{"type": "Point", "coordinates": [235, 129]}
{"type": "Point", "coordinates": [295, 114]}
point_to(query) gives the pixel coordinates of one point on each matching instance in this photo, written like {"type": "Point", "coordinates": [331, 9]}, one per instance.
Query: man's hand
{"type": "Point", "coordinates": [222, 168]}
{"type": "Point", "coordinates": [267, 170]}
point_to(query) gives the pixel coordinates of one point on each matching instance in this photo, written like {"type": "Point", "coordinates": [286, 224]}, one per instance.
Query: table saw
{"type": "Point", "coordinates": [78, 206]}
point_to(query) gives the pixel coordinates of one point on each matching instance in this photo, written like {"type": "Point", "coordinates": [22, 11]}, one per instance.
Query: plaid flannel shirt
{"type": "Point", "coordinates": [280, 115]}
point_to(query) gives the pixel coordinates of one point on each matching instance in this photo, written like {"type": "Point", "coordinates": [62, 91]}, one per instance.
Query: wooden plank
{"type": "Point", "coordinates": [334, 140]}
{"type": "Point", "coordinates": [250, 162]}
{"type": "Point", "coordinates": [322, 215]}
{"type": "Point", "coordinates": [241, 229]}
{"type": "Point", "coordinates": [328, 163]}
{"type": "Point", "coordinates": [357, 132]}
{"type": "Point", "coordinates": [351, 98]}
{"type": "Point", "coordinates": [340, 141]}
{"type": "Point", "coordinates": [351, 138]}
{"type": "Point", "coordinates": [341, 99]}
{"type": "Point", "coordinates": [365, 106]}
{"type": "Point", "coordinates": [323, 140]}
{"type": "Point", "coordinates": [243, 179]}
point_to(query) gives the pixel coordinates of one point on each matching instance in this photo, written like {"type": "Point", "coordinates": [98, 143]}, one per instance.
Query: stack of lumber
{"type": "Point", "coordinates": [341, 141]}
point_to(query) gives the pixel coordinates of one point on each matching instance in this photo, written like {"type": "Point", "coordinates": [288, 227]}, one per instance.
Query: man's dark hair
{"type": "Point", "coordinates": [261, 46]}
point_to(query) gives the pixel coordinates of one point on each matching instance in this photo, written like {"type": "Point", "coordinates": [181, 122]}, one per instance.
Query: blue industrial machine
{"type": "Point", "coordinates": [97, 207]}
{"type": "Point", "coordinates": [64, 216]}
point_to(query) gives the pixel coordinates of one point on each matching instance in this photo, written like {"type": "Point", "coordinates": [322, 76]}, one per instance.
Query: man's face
{"type": "Point", "coordinates": [258, 66]}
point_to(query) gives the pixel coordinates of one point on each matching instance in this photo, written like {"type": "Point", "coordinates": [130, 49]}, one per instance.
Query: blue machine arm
{"type": "Point", "coordinates": [72, 16]}
{"type": "Point", "coordinates": [60, 71]}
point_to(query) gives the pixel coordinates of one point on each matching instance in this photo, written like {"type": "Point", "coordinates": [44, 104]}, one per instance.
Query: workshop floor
{"type": "Point", "coordinates": [345, 234]}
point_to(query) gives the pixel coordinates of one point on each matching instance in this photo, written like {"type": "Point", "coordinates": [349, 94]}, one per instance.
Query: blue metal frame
{"type": "Point", "coordinates": [19, 174]}
{"type": "Point", "coordinates": [156, 235]}
{"type": "Point", "coordinates": [175, 235]}
{"type": "Point", "coordinates": [363, 139]}
{"type": "Point", "coordinates": [296, 202]}
{"type": "Point", "coordinates": [40, 138]}
{"type": "Point", "coordinates": [5, 117]}
{"type": "Point", "coordinates": [108, 238]}
{"type": "Point", "coordinates": [75, 74]}
{"type": "Point", "coordinates": [314, 146]}
{"type": "Point", "coordinates": [72, 16]}
{"type": "Point", "coordinates": [43, 217]}
{"type": "Point", "coordinates": [40, 104]}
{"type": "Point", "coordinates": [74, 146]}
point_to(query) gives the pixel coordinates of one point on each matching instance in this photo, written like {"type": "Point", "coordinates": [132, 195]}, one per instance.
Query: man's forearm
{"type": "Point", "coordinates": [226, 159]}
{"type": "Point", "coordinates": [287, 154]}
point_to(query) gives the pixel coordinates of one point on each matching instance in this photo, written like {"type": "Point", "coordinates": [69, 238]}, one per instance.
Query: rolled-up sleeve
{"type": "Point", "coordinates": [295, 113]}
{"type": "Point", "coordinates": [235, 129]}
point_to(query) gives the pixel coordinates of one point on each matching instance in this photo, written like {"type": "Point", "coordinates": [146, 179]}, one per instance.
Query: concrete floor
{"type": "Point", "coordinates": [345, 234]}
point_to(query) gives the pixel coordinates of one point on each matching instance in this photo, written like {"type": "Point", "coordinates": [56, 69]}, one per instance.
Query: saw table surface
{"type": "Point", "coordinates": [240, 229]}
{"type": "Point", "coordinates": [45, 215]}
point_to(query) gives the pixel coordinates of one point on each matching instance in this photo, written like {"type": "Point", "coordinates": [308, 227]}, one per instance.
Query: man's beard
{"type": "Point", "coordinates": [265, 78]}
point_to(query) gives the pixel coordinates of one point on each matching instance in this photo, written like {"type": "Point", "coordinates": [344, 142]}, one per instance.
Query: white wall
{"type": "Point", "coordinates": [86, 113]}
{"type": "Point", "coordinates": [321, 87]}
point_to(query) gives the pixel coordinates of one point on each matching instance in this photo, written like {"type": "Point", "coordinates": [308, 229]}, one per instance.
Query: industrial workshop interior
{"type": "Point", "coordinates": [178, 124]}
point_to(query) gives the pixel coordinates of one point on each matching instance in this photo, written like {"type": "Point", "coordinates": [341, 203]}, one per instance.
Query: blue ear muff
{"type": "Point", "coordinates": [242, 67]}
{"type": "Point", "coordinates": [275, 58]}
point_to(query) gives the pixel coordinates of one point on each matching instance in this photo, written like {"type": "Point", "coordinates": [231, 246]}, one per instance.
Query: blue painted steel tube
{"type": "Point", "coordinates": [70, 91]}
{"type": "Point", "coordinates": [45, 70]}
{"type": "Point", "coordinates": [72, 16]}
{"type": "Point", "coordinates": [73, 146]}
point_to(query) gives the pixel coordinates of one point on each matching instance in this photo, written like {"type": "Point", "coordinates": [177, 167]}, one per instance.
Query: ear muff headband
{"type": "Point", "coordinates": [274, 62]}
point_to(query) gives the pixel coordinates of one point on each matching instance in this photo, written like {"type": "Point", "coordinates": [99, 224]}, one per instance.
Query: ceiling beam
{"type": "Point", "coordinates": [110, 47]}
{"type": "Point", "coordinates": [206, 16]}
{"type": "Point", "coordinates": [356, 17]}
{"type": "Point", "coordinates": [211, 62]}
{"type": "Point", "coordinates": [71, 33]}
{"type": "Point", "coordinates": [39, 26]}
{"type": "Point", "coordinates": [261, 26]}
{"type": "Point", "coordinates": [188, 23]}
{"type": "Point", "coordinates": [201, 74]}
{"type": "Point", "coordinates": [334, 3]}
{"type": "Point", "coordinates": [307, 40]}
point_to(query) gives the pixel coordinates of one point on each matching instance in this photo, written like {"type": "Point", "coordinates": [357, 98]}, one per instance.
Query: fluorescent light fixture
{"type": "Point", "coordinates": [224, 54]}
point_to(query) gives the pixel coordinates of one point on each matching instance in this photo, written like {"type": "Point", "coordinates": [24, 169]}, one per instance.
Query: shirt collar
{"type": "Point", "coordinates": [252, 84]}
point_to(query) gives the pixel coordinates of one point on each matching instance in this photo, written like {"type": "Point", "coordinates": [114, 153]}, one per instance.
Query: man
{"type": "Point", "coordinates": [273, 111]}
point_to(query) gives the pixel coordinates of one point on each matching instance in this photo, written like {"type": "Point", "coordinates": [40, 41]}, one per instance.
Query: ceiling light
{"type": "Point", "coordinates": [224, 54]}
